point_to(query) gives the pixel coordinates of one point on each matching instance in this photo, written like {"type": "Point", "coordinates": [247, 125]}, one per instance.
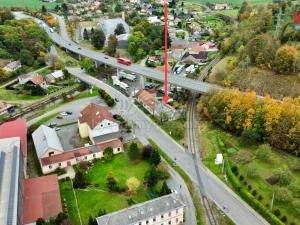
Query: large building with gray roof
{"type": "Point", "coordinates": [165, 210]}
{"type": "Point", "coordinates": [11, 176]}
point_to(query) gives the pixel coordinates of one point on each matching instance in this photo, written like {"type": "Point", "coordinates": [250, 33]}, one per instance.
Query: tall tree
{"type": "Point", "coordinates": [111, 183]}
{"type": "Point", "coordinates": [163, 39]}
{"type": "Point", "coordinates": [44, 9]}
{"type": "Point", "coordinates": [165, 190]}
{"type": "Point", "coordinates": [86, 35]}
{"type": "Point", "coordinates": [98, 39]}
{"type": "Point", "coordinates": [155, 158]}
{"type": "Point", "coordinates": [120, 29]}
{"type": "Point", "coordinates": [112, 45]}
{"type": "Point", "coordinates": [134, 151]}
{"type": "Point", "coordinates": [80, 180]}
{"type": "Point", "coordinates": [285, 59]}
{"type": "Point", "coordinates": [152, 177]}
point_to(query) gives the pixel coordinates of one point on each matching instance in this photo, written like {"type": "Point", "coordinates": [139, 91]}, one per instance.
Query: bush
{"type": "Point", "coordinates": [133, 152]}
{"type": "Point", "coordinates": [221, 144]}
{"type": "Point", "coordinates": [282, 195]}
{"type": "Point", "coordinates": [147, 151]}
{"type": "Point", "coordinates": [282, 176]}
{"type": "Point", "coordinates": [277, 212]}
{"type": "Point", "coordinates": [108, 154]}
{"type": "Point", "coordinates": [296, 204]}
{"type": "Point", "coordinates": [112, 183]}
{"type": "Point", "coordinates": [107, 98]}
{"type": "Point", "coordinates": [241, 178]}
{"type": "Point", "coordinates": [260, 198]}
{"type": "Point", "coordinates": [234, 169]}
{"type": "Point", "coordinates": [249, 187]}
{"type": "Point", "coordinates": [254, 192]}
{"type": "Point", "coordinates": [245, 183]}
{"type": "Point", "coordinates": [283, 219]}
{"type": "Point", "coordinates": [80, 180]}
{"type": "Point", "coordinates": [264, 153]}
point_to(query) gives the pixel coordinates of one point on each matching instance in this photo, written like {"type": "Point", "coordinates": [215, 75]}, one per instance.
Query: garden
{"type": "Point", "coordinates": [257, 172]}
{"type": "Point", "coordinates": [114, 183]}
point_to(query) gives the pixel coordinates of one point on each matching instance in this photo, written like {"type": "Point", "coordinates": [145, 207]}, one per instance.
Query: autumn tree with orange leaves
{"type": "Point", "coordinates": [255, 119]}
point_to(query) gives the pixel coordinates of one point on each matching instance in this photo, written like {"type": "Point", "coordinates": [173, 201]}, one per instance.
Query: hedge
{"type": "Point", "coordinates": [259, 207]}
{"type": "Point", "coordinates": [221, 144]}
{"type": "Point", "coordinates": [107, 98]}
{"type": "Point", "coordinates": [232, 178]}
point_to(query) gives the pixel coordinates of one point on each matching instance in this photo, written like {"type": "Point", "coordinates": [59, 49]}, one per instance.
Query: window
{"type": "Point", "coordinates": [101, 125]}
{"type": "Point", "coordinates": [94, 155]}
{"type": "Point", "coordinates": [147, 222]}
{"type": "Point", "coordinates": [85, 157]}
{"type": "Point", "coordinates": [108, 124]}
{"type": "Point", "coordinates": [50, 166]}
{"type": "Point", "coordinates": [59, 164]}
{"type": "Point", "coordinates": [176, 211]}
{"type": "Point", "coordinates": [169, 213]}
{"type": "Point", "coordinates": [176, 220]}
{"type": "Point", "coordinates": [162, 216]}
{"type": "Point", "coordinates": [119, 149]}
{"type": "Point", "coordinates": [154, 219]}
{"type": "Point", "coordinates": [140, 223]}
{"type": "Point", "coordinates": [170, 222]}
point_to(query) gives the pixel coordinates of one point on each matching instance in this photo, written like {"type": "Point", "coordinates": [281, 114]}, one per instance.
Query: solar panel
{"type": "Point", "coordinates": [12, 194]}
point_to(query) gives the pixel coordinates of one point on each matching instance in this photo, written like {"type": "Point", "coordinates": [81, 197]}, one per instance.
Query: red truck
{"type": "Point", "coordinates": [124, 61]}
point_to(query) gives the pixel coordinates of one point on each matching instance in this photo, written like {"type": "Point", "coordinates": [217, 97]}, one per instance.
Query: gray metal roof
{"type": "Point", "coordinates": [44, 138]}
{"type": "Point", "coordinates": [109, 25]}
{"type": "Point", "coordinates": [10, 154]}
{"type": "Point", "coordinates": [143, 211]}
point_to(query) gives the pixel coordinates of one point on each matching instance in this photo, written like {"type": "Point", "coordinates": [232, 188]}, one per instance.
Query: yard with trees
{"type": "Point", "coordinates": [113, 184]}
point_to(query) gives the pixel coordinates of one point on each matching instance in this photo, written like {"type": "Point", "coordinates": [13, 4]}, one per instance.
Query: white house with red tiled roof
{"type": "Point", "coordinates": [95, 121]}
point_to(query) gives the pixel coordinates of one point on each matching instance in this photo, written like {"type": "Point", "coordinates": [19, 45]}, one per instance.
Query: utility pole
{"type": "Point", "coordinates": [166, 97]}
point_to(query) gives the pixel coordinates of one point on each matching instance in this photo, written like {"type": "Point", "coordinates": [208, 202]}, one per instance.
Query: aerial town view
{"type": "Point", "coordinates": [149, 112]}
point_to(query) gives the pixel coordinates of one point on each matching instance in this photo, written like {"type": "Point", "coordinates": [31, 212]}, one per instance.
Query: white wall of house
{"type": "Point", "coordinates": [105, 127]}
{"type": "Point", "coordinates": [97, 155]}
{"type": "Point", "coordinates": [50, 150]}
{"type": "Point", "coordinates": [174, 217]}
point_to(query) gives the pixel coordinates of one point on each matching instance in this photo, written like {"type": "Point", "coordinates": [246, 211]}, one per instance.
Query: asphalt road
{"type": "Point", "coordinates": [237, 209]}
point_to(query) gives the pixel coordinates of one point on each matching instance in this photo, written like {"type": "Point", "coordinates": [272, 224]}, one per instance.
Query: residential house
{"type": "Point", "coordinates": [56, 75]}
{"type": "Point", "coordinates": [221, 6]}
{"type": "Point", "coordinates": [154, 20]}
{"type": "Point", "coordinates": [148, 100]}
{"type": "Point", "coordinates": [46, 142]}
{"type": "Point", "coordinates": [12, 66]}
{"type": "Point", "coordinates": [73, 157]}
{"type": "Point", "coordinates": [168, 209]}
{"type": "Point", "coordinates": [33, 78]}
{"type": "Point", "coordinates": [97, 123]}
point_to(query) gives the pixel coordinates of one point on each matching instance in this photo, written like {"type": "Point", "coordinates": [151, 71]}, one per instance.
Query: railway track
{"type": "Point", "coordinates": [193, 150]}
{"type": "Point", "coordinates": [193, 142]}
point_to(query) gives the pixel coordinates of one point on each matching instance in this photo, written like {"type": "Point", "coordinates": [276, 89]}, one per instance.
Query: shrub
{"type": "Point", "coordinates": [241, 178]}
{"type": "Point", "coordinates": [147, 151]}
{"type": "Point", "coordinates": [260, 198]}
{"type": "Point", "coordinates": [133, 152]}
{"type": "Point", "coordinates": [296, 204]}
{"type": "Point", "coordinates": [232, 178]}
{"type": "Point", "coordinates": [249, 187]}
{"type": "Point", "coordinates": [221, 144]}
{"type": "Point", "coordinates": [155, 158]}
{"type": "Point", "coordinates": [254, 192]}
{"type": "Point", "coordinates": [112, 183]}
{"type": "Point", "coordinates": [277, 212]}
{"type": "Point", "coordinates": [80, 180]}
{"type": "Point", "coordinates": [234, 169]}
{"type": "Point", "coordinates": [133, 184]}
{"type": "Point", "coordinates": [264, 152]}
{"type": "Point", "coordinates": [282, 176]}
{"type": "Point", "coordinates": [284, 219]}
{"type": "Point", "coordinates": [282, 195]}
{"type": "Point", "coordinates": [108, 153]}
{"type": "Point", "coordinates": [245, 183]}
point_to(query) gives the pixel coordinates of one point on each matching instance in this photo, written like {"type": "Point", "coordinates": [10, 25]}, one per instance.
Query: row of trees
{"type": "Point", "coordinates": [256, 119]}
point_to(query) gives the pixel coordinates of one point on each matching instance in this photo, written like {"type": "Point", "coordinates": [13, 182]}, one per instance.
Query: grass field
{"type": "Point", "coordinates": [10, 95]}
{"type": "Point", "coordinates": [237, 2]}
{"type": "Point", "coordinates": [97, 196]}
{"type": "Point", "coordinates": [248, 156]}
{"type": "Point", "coordinates": [31, 4]}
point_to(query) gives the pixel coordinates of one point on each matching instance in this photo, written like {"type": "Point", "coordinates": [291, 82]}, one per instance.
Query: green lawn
{"type": "Point", "coordinates": [10, 95]}
{"type": "Point", "coordinates": [175, 128]}
{"type": "Point", "coordinates": [246, 155]}
{"type": "Point", "coordinates": [31, 4]}
{"type": "Point", "coordinates": [97, 196]}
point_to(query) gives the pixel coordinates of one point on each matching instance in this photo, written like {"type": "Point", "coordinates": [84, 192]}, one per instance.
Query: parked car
{"type": "Point", "coordinates": [59, 117]}
{"type": "Point", "coordinates": [52, 124]}
{"type": "Point", "coordinates": [64, 114]}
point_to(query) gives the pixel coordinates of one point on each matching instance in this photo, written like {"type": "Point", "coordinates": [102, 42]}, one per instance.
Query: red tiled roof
{"type": "Point", "coordinates": [147, 98]}
{"type": "Point", "coordinates": [37, 79]}
{"type": "Point", "coordinates": [115, 143]}
{"type": "Point", "coordinates": [15, 128]}
{"type": "Point", "coordinates": [68, 155]}
{"type": "Point", "coordinates": [94, 114]}
{"type": "Point", "coordinates": [41, 198]}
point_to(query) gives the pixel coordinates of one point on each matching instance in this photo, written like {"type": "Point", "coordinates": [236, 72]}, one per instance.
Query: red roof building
{"type": "Point", "coordinates": [41, 198]}
{"type": "Point", "coordinates": [16, 128]}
